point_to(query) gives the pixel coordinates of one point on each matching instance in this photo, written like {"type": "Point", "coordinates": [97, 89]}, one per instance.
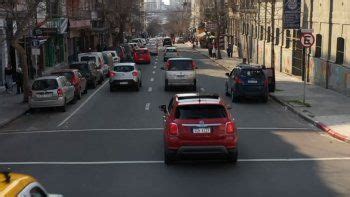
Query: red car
{"type": "Point", "coordinates": [75, 77]}
{"type": "Point", "coordinates": [198, 125]}
{"type": "Point", "coordinates": [142, 55]}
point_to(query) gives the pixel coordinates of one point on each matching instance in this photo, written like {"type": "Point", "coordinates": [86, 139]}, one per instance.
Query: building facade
{"type": "Point", "coordinates": [327, 63]}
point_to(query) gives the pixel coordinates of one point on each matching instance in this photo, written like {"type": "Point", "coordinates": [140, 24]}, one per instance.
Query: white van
{"type": "Point", "coordinates": [97, 58]}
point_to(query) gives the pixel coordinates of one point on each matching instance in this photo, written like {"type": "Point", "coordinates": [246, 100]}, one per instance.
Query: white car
{"type": "Point", "coordinates": [97, 58]}
{"type": "Point", "coordinates": [115, 56]}
{"type": "Point", "coordinates": [125, 75]}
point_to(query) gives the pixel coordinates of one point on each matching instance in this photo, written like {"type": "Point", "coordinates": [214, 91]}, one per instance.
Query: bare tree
{"type": "Point", "coordinates": [22, 14]}
{"type": "Point", "coordinates": [154, 27]}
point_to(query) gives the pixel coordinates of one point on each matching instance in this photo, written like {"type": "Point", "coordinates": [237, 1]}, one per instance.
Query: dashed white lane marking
{"type": "Point", "coordinates": [202, 90]}
{"type": "Point", "coordinates": [152, 79]}
{"type": "Point", "coordinates": [14, 132]}
{"type": "Point", "coordinates": [280, 160]}
{"type": "Point", "coordinates": [82, 104]}
{"type": "Point", "coordinates": [150, 89]}
{"type": "Point", "coordinates": [154, 67]}
{"type": "Point", "coordinates": [153, 72]}
{"type": "Point", "coordinates": [147, 106]}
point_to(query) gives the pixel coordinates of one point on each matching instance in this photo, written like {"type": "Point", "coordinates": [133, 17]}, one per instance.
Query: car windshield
{"type": "Point", "coordinates": [200, 112]}
{"type": "Point", "coordinates": [88, 59]}
{"type": "Point", "coordinates": [83, 68]}
{"type": "Point", "coordinates": [250, 73]}
{"type": "Point", "coordinates": [68, 75]}
{"type": "Point", "coordinates": [171, 50]}
{"type": "Point", "coordinates": [123, 68]}
{"type": "Point", "coordinates": [141, 52]}
{"type": "Point", "coordinates": [45, 84]}
{"type": "Point", "coordinates": [180, 65]}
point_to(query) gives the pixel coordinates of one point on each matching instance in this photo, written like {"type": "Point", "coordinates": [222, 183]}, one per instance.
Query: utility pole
{"type": "Point", "coordinates": [217, 13]}
{"type": "Point", "coordinates": [273, 8]}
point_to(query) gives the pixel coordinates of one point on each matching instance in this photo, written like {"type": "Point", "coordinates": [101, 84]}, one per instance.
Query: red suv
{"type": "Point", "coordinates": [76, 79]}
{"type": "Point", "coordinates": [142, 55]}
{"type": "Point", "coordinates": [198, 125]}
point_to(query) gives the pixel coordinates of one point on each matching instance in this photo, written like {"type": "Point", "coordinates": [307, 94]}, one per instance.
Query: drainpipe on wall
{"type": "Point", "coordinates": [258, 33]}
{"type": "Point", "coordinates": [282, 39]}
{"type": "Point", "coordinates": [311, 10]}
{"type": "Point", "coordinates": [330, 32]}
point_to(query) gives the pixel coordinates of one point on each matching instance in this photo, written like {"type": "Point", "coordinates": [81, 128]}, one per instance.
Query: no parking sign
{"type": "Point", "coordinates": [307, 39]}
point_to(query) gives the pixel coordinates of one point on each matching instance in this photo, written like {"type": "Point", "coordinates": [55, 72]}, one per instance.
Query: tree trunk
{"type": "Point", "coordinates": [120, 36]}
{"type": "Point", "coordinates": [23, 56]}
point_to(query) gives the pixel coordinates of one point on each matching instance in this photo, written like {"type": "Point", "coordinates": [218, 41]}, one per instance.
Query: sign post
{"type": "Point", "coordinates": [307, 39]}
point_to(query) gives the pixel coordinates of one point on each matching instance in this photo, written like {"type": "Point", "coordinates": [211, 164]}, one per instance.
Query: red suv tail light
{"type": "Point", "coordinates": [194, 66]}
{"type": "Point", "coordinates": [60, 92]}
{"type": "Point", "coordinates": [75, 80]}
{"type": "Point", "coordinates": [230, 128]}
{"type": "Point", "coordinates": [238, 80]}
{"type": "Point", "coordinates": [135, 74]}
{"type": "Point", "coordinates": [173, 129]}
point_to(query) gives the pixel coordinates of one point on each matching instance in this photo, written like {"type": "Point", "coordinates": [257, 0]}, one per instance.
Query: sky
{"type": "Point", "coordinates": [166, 2]}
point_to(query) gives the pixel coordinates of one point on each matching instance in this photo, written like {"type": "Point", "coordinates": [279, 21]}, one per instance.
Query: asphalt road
{"type": "Point", "coordinates": [110, 144]}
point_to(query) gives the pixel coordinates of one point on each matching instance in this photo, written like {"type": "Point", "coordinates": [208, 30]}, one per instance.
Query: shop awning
{"type": "Point", "coordinates": [55, 25]}
{"type": "Point", "coordinates": [79, 24]}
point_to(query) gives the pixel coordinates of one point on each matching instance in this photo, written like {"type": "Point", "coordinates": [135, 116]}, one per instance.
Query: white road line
{"type": "Point", "coordinates": [202, 90]}
{"type": "Point", "coordinates": [154, 67]}
{"type": "Point", "coordinates": [14, 132]}
{"type": "Point", "coordinates": [147, 106]}
{"type": "Point", "coordinates": [153, 72]}
{"type": "Point", "coordinates": [274, 128]}
{"type": "Point", "coordinates": [285, 160]}
{"type": "Point", "coordinates": [152, 79]}
{"type": "Point", "coordinates": [149, 89]}
{"type": "Point", "coordinates": [82, 104]}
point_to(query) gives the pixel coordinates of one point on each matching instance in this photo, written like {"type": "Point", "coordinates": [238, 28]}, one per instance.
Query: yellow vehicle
{"type": "Point", "coordinates": [21, 185]}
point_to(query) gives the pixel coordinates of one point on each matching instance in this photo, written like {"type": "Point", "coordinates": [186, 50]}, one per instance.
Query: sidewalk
{"type": "Point", "coordinates": [327, 109]}
{"type": "Point", "coordinates": [11, 106]}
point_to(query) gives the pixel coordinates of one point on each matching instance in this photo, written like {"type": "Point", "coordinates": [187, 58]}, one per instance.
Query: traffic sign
{"type": "Point", "coordinates": [307, 39]}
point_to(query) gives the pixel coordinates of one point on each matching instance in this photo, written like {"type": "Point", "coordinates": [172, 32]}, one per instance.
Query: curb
{"type": "Point", "coordinates": [7, 122]}
{"type": "Point", "coordinates": [318, 124]}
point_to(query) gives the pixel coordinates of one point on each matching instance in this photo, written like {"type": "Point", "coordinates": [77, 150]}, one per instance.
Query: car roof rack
{"type": "Point", "coordinates": [198, 96]}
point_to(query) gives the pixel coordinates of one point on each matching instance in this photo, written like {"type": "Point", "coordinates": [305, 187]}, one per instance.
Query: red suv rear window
{"type": "Point", "coordinates": [200, 112]}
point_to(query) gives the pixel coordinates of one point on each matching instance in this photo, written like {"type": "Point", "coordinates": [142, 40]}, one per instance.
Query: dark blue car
{"type": "Point", "coordinates": [247, 80]}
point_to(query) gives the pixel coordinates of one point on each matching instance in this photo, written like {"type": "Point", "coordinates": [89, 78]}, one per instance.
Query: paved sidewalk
{"type": "Point", "coordinates": [326, 109]}
{"type": "Point", "coordinates": [11, 106]}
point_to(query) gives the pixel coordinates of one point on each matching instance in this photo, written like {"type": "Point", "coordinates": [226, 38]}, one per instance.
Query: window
{"type": "Point", "coordinates": [45, 84]}
{"type": "Point", "coordinates": [268, 35]}
{"type": "Point", "coordinates": [252, 31]}
{"type": "Point", "coordinates": [261, 32]}
{"type": "Point", "coordinates": [256, 32]}
{"type": "Point", "coordinates": [277, 41]}
{"type": "Point", "coordinates": [200, 112]}
{"type": "Point", "coordinates": [243, 32]}
{"type": "Point", "coordinates": [318, 50]}
{"type": "Point", "coordinates": [340, 51]}
{"type": "Point", "coordinates": [180, 65]}
{"type": "Point", "coordinates": [288, 39]}
{"type": "Point", "coordinates": [37, 192]}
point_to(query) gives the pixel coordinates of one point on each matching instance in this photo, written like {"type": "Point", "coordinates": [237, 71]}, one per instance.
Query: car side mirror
{"type": "Point", "coordinates": [163, 108]}
{"type": "Point", "coordinates": [227, 74]}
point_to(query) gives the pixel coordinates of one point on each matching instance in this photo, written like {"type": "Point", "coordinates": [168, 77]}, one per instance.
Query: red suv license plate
{"type": "Point", "coordinates": [201, 130]}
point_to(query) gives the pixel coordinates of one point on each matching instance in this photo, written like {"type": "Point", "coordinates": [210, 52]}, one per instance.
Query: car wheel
{"type": "Point", "coordinates": [111, 88]}
{"type": "Point", "coordinates": [94, 84]}
{"type": "Point", "coordinates": [101, 80]}
{"type": "Point", "coordinates": [85, 91]}
{"type": "Point", "coordinates": [140, 83]}
{"type": "Point", "coordinates": [234, 98]}
{"type": "Point", "coordinates": [74, 100]}
{"type": "Point", "coordinates": [226, 91]}
{"type": "Point", "coordinates": [265, 98]}
{"type": "Point", "coordinates": [166, 85]}
{"type": "Point", "coordinates": [79, 95]}
{"type": "Point", "coordinates": [232, 156]}
{"type": "Point", "coordinates": [63, 108]}
{"type": "Point", "coordinates": [169, 156]}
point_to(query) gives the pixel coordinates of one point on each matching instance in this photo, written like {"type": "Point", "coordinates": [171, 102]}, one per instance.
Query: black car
{"type": "Point", "coordinates": [247, 80]}
{"type": "Point", "coordinates": [167, 41]}
{"type": "Point", "coordinates": [90, 71]}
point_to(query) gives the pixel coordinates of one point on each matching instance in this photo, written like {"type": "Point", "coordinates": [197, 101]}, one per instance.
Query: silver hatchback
{"type": "Point", "coordinates": [180, 72]}
{"type": "Point", "coordinates": [51, 91]}
{"type": "Point", "coordinates": [125, 75]}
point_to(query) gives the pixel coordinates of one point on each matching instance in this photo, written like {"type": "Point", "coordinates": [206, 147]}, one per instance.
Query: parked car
{"type": "Point", "coordinates": [247, 81]}
{"type": "Point", "coordinates": [138, 41]}
{"type": "Point", "coordinates": [129, 53]}
{"type": "Point", "coordinates": [134, 45]}
{"type": "Point", "coordinates": [75, 78]}
{"type": "Point", "coordinates": [180, 72]}
{"type": "Point", "coordinates": [167, 41]}
{"type": "Point", "coordinates": [125, 74]}
{"type": "Point", "coordinates": [170, 52]}
{"type": "Point", "coordinates": [96, 57]}
{"type": "Point", "coordinates": [89, 72]}
{"type": "Point", "coordinates": [181, 40]}
{"type": "Point", "coordinates": [51, 91]}
{"type": "Point", "coordinates": [121, 53]}
{"type": "Point", "coordinates": [198, 125]}
{"type": "Point", "coordinates": [142, 55]}
{"type": "Point", "coordinates": [22, 185]}
{"type": "Point", "coordinates": [115, 56]}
